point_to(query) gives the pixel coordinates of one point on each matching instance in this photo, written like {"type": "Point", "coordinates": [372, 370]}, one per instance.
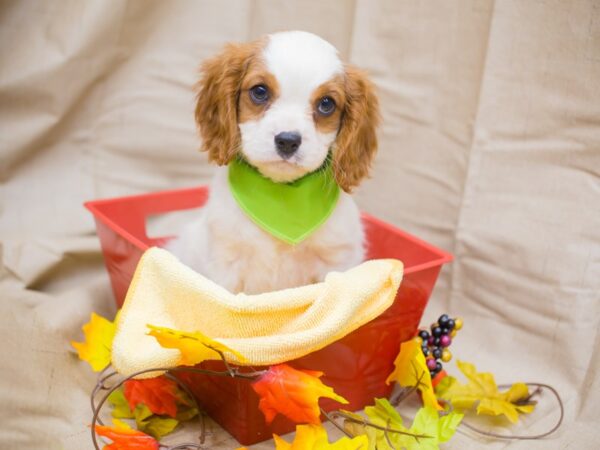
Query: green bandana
{"type": "Point", "coordinates": [289, 211]}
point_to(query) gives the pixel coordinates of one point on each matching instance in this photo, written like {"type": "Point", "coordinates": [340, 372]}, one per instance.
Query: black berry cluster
{"type": "Point", "coordinates": [435, 342]}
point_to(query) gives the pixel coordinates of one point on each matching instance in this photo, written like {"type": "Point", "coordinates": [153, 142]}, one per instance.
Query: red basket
{"type": "Point", "coordinates": [356, 366]}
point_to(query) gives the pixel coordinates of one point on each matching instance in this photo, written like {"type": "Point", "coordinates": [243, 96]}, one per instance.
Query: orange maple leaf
{"type": "Point", "coordinates": [159, 394]}
{"type": "Point", "coordinates": [126, 438]}
{"type": "Point", "coordinates": [293, 393]}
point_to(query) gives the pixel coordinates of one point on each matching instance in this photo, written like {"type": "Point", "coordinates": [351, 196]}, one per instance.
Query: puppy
{"type": "Point", "coordinates": [287, 107]}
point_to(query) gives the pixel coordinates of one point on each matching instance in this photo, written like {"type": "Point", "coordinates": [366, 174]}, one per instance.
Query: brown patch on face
{"type": "Point", "coordinates": [257, 74]}
{"type": "Point", "coordinates": [356, 142]}
{"type": "Point", "coordinates": [333, 88]}
{"type": "Point", "coordinates": [218, 93]}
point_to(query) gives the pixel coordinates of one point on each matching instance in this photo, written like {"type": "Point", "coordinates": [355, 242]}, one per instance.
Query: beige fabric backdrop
{"type": "Point", "coordinates": [490, 148]}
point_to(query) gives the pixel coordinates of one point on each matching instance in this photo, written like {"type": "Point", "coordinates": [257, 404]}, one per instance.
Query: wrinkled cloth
{"type": "Point", "coordinates": [268, 328]}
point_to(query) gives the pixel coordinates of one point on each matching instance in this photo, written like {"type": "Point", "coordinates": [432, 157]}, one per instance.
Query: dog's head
{"type": "Point", "coordinates": [284, 102]}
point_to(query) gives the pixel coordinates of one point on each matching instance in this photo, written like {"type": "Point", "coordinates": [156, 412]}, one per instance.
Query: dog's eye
{"type": "Point", "coordinates": [259, 94]}
{"type": "Point", "coordinates": [326, 106]}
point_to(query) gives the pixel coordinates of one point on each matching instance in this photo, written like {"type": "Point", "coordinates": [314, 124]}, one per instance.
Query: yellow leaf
{"type": "Point", "coordinates": [483, 391]}
{"type": "Point", "coordinates": [517, 391]}
{"type": "Point", "coordinates": [96, 349]}
{"type": "Point", "coordinates": [280, 444]}
{"type": "Point", "coordinates": [411, 371]}
{"type": "Point", "coordinates": [314, 437]}
{"type": "Point", "coordinates": [194, 347]}
{"type": "Point", "coordinates": [496, 407]}
{"type": "Point", "coordinates": [119, 425]}
{"type": "Point", "coordinates": [357, 429]}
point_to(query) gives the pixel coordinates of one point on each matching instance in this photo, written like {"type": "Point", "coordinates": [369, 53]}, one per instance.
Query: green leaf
{"type": "Point", "coordinates": [155, 426]}
{"type": "Point", "coordinates": [121, 409]}
{"type": "Point", "coordinates": [158, 426]}
{"type": "Point", "coordinates": [443, 386]}
{"type": "Point", "coordinates": [185, 410]}
{"type": "Point", "coordinates": [186, 414]}
{"type": "Point", "coordinates": [141, 413]}
{"type": "Point", "coordinates": [384, 415]}
{"type": "Point", "coordinates": [358, 429]}
{"type": "Point", "coordinates": [427, 423]}
{"type": "Point", "coordinates": [447, 426]}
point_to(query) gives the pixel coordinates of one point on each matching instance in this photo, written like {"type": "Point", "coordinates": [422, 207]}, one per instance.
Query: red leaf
{"type": "Point", "coordinates": [125, 438]}
{"type": "Point", "coordinates": [159, 394]}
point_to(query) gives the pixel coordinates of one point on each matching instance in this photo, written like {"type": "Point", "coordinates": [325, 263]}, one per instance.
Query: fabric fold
{"type": "Point", "coordinates": [266, 329]}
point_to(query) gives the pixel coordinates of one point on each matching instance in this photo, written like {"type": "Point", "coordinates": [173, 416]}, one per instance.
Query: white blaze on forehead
{"type": "Point", "coordinates": [300, 62]}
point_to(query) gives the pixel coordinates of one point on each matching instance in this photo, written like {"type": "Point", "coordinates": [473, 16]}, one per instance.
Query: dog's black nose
{"type": "Point", "coordinates": [287, 143]}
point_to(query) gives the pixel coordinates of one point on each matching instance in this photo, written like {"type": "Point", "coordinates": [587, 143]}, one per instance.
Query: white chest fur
{"type": "Point", "coordinates": [227, 247]}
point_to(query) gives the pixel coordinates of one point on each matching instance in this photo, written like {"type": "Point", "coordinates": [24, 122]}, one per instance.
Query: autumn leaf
{"type": "Point", "coordinates": [155, 426]}
{"type": "Point", "coordinates": [384, 415]}
{"type": "Point", "coordinates": [427, 431]}
{"type": "Point", "coordinates": [121, 408]}
{"type": "Point", "coordinates": [358, 426]}
{"type": "Point", "coordinates": [482, 390]}
{"type": "Point", "coordinates": [125, 438]}
{"type": "Point", "coordinates": [447, 425]}
{"type": "Point", "coordinates": [194, 347]}
{"type": "Point", "coordinates": [96, 349]}
{"type": "Point", "coordinates": [159, 394]}
{"type": "Point", "coordinates": [293, 393]}
{"type": "Point", "coordinates": [186, 414]}
{"type": "Point", "coordinates": [411, 371]}
{"type": "Point", "coordinates": [428, 422]}
{"type": "Point", "coordinates": [314, 437]}
{"type": "Point", "coordinates": [146, 420]}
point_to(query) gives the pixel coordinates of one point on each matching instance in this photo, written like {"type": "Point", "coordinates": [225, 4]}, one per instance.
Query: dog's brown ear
{"type": "Point", "coordinates": [356, 142]}
{"type": "Point", "coordinates": [218, 92]}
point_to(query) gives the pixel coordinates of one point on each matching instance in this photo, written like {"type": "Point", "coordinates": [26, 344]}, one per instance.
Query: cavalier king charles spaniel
{"type": "Point", "coordinates": [286, 106]}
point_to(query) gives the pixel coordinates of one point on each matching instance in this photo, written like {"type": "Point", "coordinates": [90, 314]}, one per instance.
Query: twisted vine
{"type": "Point", "coordinates": [104, 376]}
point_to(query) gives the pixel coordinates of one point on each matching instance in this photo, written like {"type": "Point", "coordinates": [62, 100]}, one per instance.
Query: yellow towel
{"type": "Point", "coordinates": [267, 328]}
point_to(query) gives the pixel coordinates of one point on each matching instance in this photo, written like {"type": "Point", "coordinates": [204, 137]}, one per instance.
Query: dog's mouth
{"type": "Point", "coordinates": [282, 171]}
